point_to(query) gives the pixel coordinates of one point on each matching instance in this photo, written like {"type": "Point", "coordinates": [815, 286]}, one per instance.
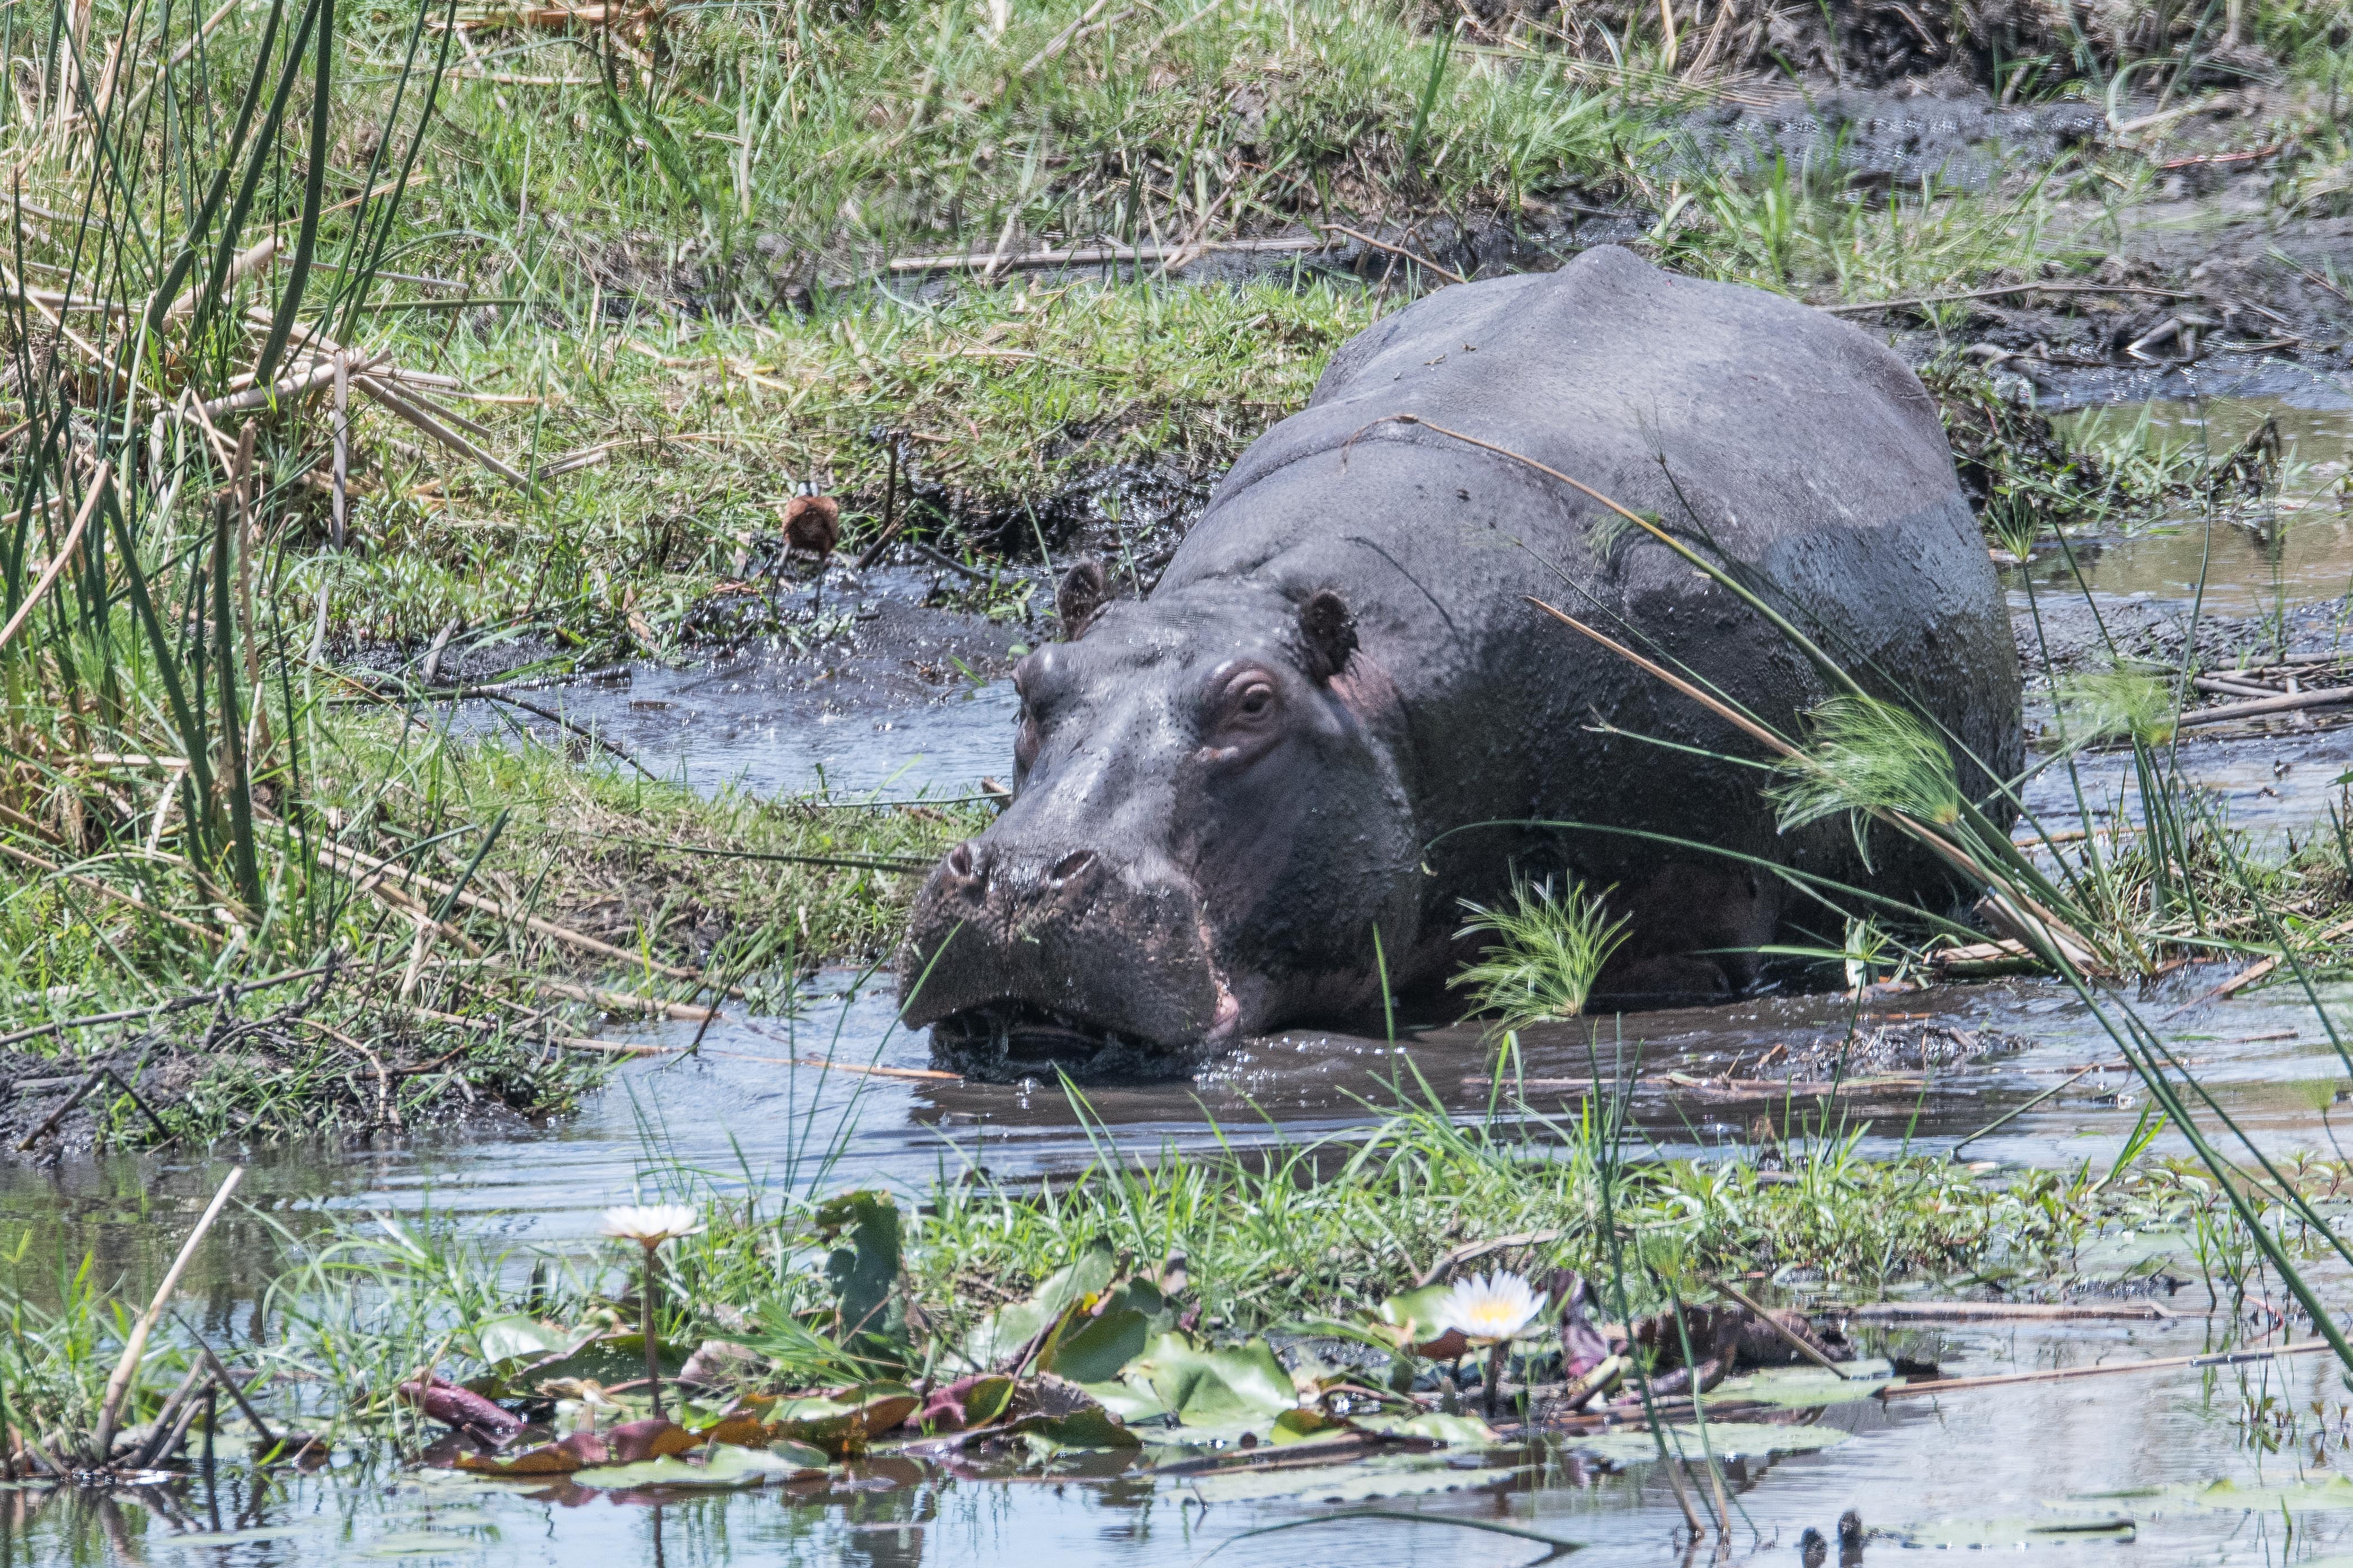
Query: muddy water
{"type": "Point", "coordinates": [742, 1112]}
{"type": "Point", "coordinates": [2118, 1470]}
{"type": "Point", "coordinates": [2303, 549]}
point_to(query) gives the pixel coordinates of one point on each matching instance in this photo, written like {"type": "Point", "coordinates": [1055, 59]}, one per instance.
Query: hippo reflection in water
{"type": "Point", "coordinates": [1224, 790]}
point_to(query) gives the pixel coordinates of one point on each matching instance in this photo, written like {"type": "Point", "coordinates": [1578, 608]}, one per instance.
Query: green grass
{"type": "Point", "coordinates": [1299, 1235]}
{"type": "Point", "coordinates": [1003, 393]}
{"type": "Point", "coordinates": [654, 869]}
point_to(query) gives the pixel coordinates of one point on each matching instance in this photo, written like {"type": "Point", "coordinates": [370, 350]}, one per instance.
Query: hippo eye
{"type": "Point", "coordinates": [1026, 740]}
{"type": "Point", "coordinates": [1247, 701]}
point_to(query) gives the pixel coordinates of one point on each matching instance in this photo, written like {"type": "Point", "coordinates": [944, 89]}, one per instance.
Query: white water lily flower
{"type": "Point", "coordinates": [1491, 1309]}
{"type": "Point", "coordinates": [650, 1225]}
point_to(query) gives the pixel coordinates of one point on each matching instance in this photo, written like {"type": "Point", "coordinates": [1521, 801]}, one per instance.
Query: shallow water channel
{"type": "Point", "coordinates": [2004, 1467]}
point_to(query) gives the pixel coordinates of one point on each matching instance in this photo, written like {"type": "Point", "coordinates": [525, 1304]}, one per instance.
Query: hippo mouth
{"type": "Point", "coordinates": [1012, 1040]}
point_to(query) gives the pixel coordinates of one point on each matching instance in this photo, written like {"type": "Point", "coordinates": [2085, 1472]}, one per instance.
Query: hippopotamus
{"type": "Point", "coordinates": [1262, 795]}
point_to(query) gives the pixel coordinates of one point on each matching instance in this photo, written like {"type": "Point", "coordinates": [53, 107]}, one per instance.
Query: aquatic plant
{"type": "Point", "coordinates": [649, 1226]}
{"type": "Point", "coordinates": [1490, 1310]}
{"type": "Point", "coordinates": [1866, 756]}
{"type": "Point", "coordinates": [1548, 949]}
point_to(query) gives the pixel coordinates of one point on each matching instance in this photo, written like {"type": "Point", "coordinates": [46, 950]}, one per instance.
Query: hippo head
{"type": "Point", "coordinates": [1207, 826]}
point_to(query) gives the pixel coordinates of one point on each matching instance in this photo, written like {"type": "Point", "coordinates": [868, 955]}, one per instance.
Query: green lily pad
{"type": "Point", "coordinates": [1359, 1480]}
{"type": "Point", "coordinates": [1726, 1439]}
{"type": "Point", "coordinates": [608, 1359]}
{"type": "Point", "coordinates": [1206, 1385]}
{"type": "Point", "coordinates": [2028, 1530]}
{"type": "Point", "coordinates": [412, 1543]}
{"type": "Point", "coordinates": [2130, 1254]}
{"type": "Point", "coordinates": [1014, 1324]}
{"type": "Point", "coordinates": [1130, 1400]}
{"type": "Point", "coordinates": [842, 1426]}
{"type": "Point", "coordinates": [1093, 1348]}
{"type": "Point", "coordinates": [517, 1337]}
{"type": "Point", "coordinates": [1455, 1431]}
{"type": "Point", "coordinates": [1810, 1387]}
{"type": "Point", "coordinates": [863, 1268]}
{"type": "Point", "coordinates": [2229, 1496]}
{"type": "Point", "coordinates": [1092, 1429]}
{"type": "Point", "coordinates": [1416, 1312]}
{"type": "Point", "coordinates": [724, 1466]}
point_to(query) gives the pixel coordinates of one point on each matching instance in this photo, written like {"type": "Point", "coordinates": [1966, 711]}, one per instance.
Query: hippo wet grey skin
{"type": "Point", "coordinates": [1222, 792]}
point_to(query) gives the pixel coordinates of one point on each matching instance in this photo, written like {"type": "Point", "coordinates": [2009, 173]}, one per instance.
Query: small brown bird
{"type": "Point", "coordinates": [812, 526]}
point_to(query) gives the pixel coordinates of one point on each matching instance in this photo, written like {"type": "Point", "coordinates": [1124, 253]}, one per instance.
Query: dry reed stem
{"type": "Point", "coordinates": [134, 1347]}
{"type": "Point", "coordinates": [1399, 251]}
{"type": "Point", "coordinates": [499, 910]}
{"type": "Point", "coordinates": [107, 891]}
{"type": "Point", "coordinates": [2107, 1369]}
{"type": "Point", "coordinates": [56, 565]}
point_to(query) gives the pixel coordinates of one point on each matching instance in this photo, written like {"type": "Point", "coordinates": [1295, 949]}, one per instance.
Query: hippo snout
{"type": "Point", "coordinates": [1027, 960]}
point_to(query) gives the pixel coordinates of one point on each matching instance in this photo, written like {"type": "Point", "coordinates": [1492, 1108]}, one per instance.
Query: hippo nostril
{"type": "Point", "coordinates": [963, 863]}
{"type": "Point", "coordinates": [1075, 864]}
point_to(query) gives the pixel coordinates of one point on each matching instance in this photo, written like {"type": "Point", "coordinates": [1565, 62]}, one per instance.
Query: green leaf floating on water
{"type": "Point", "coordinates": [842, 1426]}
{"type": "Point", "coordinates": [609, 1358]}
{"type": "Point", "coordinates": [1417, 1311]}
{"type": "Point", "coordinates": [1131, 1402]}
{"type": "Point", "coordinates": [2029, 1531]}
{"type": "Point", "coordinates": [1385, 1475]}
{"type": "Point", "coordinates": [1455, 1431]}
{"type": "Point", "coordinates": [2229, 1496]}
{"type": "Point", "coordinates": [1810, 1387]}
{"type": "Point", "coordinates": [724, 1466]}
{"type": "Point", "coordinates": [1013, 1325]}
{"type": "Point", "coordinates": [1205, 1385]}
{"type": "Point", "coordinates": [1726, 1439]}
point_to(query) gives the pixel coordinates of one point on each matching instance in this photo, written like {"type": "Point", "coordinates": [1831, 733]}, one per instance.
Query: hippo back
{"type": "Point", "coordinates": [1786, 440]}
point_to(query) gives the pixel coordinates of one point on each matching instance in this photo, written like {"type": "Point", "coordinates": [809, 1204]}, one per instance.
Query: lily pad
{"type": "Point", "coordinates": [1095, 1342]}
{"type": "Point", "coordinates": [1726, 1439]}
{"type": "Point", "coordinates": [608, 1359]}
{"type": "Point", "coordinates": [1089, 1428]}
{"type": "Point", "coordinates": [1810, 1387]}
{"type": "Point", "coordinates": [2028, 1530]}
{"type": "Point", "coordinates": [863, 1268]}
{"type": "Point", "coordinates": [1205, 1385]}
{"type": "Point", "coordinates": [518, 1338]}
{"type": "Point", "coordinates": [724, 1466]}
{"type": "Point", "coordinates": [846, 1425]}
{"type": "Point", "coordinates": [1415, 1314]}
{"type": "Point", "coordinates": [1360, 1480]}
{"type": "Point", "coordinates": [2229, 1496]}
{"type": "Point", "coordinates": [1005, 1330]}
{"type": "Point", "coordinates": [1130, 1401]}
{"type": "Point", "coordinates": [1455, 1431]}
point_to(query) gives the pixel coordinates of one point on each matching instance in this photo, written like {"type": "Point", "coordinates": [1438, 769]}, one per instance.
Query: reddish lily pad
{"type": "Point", "coordinates": [443, 1400]}
{"type": "Point", "coordinates": [627, 1444]}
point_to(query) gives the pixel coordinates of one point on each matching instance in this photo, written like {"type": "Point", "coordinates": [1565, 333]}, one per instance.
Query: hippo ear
{"type": "Point", "coordinates": [1327, 629]}
{"type": "Point", "coordinates": [1085, 589]}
